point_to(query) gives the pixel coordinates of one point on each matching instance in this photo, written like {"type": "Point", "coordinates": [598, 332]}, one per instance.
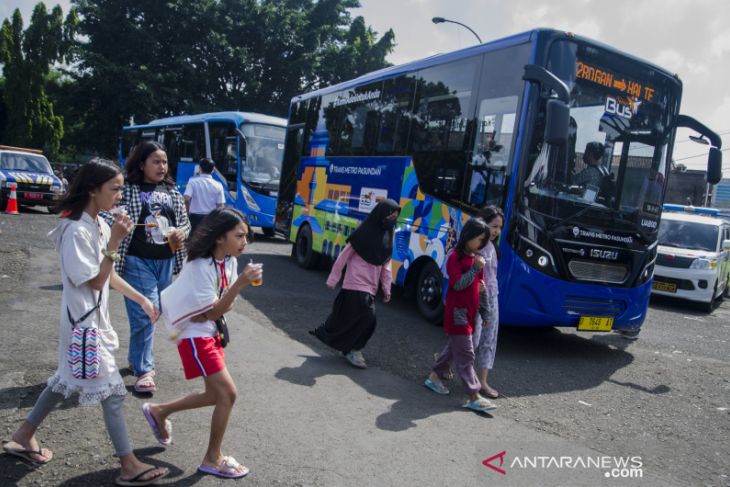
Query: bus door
{"type": "Point", "coordinates": [185, 146]}
{"type": "Point", "coordinates": [225, 150]}
{"type": "Point", "coordinates": [288, 181]}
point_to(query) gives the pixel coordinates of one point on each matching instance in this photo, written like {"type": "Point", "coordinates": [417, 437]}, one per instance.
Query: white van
{"type": "Point", "coordinates": [693, 257]}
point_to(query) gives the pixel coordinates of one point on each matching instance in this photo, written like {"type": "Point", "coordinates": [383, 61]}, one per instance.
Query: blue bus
{"type": "Point", "coordinates": [513, 123]}
{"type": "Point", "coordinates": [247, 149]}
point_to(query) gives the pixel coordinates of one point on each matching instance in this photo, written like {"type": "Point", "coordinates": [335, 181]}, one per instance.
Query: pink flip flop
{"type": "Point", "coordinates": [227, 469]}
{"type": "Point", "coordinates": [156, 428]}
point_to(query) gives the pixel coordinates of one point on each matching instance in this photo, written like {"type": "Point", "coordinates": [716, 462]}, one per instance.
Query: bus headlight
{"type": "Point", "coordinates": [703, 264]}
{"type": "Point", "coordinates": [250, 202]}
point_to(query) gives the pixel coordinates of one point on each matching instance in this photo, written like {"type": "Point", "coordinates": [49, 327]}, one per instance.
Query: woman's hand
{"type": "Point", "coordinates": [252, 272]}
{"type": "Point", "coordinates": [386, 298]}
{"type": "Point", "coordinates": [150, 310]}
{"type": "Point", "coordinates": [120, 228]}
{"type": "Point", "coordinates": [201, 318]}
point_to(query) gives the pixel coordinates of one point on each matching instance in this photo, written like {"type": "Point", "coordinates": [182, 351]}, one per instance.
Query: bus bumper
{"type": "Point", "coordinates": [534, 299]}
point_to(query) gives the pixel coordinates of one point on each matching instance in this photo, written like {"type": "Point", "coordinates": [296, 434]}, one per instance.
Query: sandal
{"type": "Point", "coordinates": [356, 359]}
{"type": "Point", "coordinates": [436, 386]}
{"type": "Point", "coordinates": [481, 405]}
{"type": "Point", "coordinates": [137, 479]}
{"type": "Point", "coordinates": [228, 469]}
{"type": "Point", "coordinates": [156, 427]}
{"type": "Point", "coordinates": [25, 454]}
{"type": "Point", "coordinates": [490, 392]}
{"type": "Point", "coordinates": [145, 383]}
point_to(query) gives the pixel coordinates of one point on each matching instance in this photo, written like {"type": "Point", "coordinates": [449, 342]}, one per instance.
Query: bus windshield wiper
{"type": "Point", "coordinates": [561, 223]}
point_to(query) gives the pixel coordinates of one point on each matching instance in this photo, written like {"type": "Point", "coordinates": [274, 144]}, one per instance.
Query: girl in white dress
{"type": "Point", "coordinates": [88, 249]}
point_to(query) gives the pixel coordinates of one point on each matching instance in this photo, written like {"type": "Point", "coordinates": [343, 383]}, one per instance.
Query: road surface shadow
{"type": "Point", "coordinates": [25, 397]}
{"type": "Point", "coordinates": [402, 414]}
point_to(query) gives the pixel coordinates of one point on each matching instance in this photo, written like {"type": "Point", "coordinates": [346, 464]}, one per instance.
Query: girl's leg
{"type": "Point", "coordinates": [196, 400]}
{"type": "Point", "coordinates": [488, 349]}
{"type": "Point", "coordinates": [222, 386]}
{"type": "Point", "coordinates": [141, 276]}
{"type": "Point", "coordinates": [462, 351]}
{"type": "Point", "coordinates": [368, 322]}
{"type": "Point", "coordinates": [442, 366]}
{"type": "Point", "coordinates": [24, 436]}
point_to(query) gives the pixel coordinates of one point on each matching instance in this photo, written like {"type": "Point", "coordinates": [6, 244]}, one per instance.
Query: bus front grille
{"type": "Point", "coordinates": [586, 270]}
{"type": "Point", "coordinates": [593, 306]}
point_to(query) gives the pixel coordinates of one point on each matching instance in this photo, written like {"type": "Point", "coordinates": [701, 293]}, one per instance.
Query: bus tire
{"type": "Point", "coordinates": [429, 293]}
{"type": "Point", "coordinates": [304, 254]}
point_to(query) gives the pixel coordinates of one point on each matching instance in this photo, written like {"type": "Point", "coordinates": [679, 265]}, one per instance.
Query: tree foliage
{"type": "Point", "coordinates": [27, 57]}
{"type": "Point", "coordinates": [150, 59]}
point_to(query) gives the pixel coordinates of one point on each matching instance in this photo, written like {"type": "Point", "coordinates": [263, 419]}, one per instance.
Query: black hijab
{"type": "Point", "coordinates": [373, 239]}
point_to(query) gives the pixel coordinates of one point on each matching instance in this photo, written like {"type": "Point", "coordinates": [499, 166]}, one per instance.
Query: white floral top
{"type": "Point", "coordinates": [79, 244]}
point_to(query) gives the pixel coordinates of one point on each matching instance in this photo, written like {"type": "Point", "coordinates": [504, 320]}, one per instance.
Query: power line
{"type": "Point", "coordinates": [698, 155]}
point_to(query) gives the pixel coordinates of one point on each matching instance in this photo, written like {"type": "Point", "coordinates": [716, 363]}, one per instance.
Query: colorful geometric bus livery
{"type": "Point", "coordinates": [335, 194]}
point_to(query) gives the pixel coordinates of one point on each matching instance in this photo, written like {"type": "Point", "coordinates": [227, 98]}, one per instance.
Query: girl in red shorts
{"type": "Point", "coordinates": [206, 289]}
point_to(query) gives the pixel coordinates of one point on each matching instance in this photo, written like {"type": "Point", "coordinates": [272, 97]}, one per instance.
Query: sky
{"type": "Point", "coordinates": [690, 38]}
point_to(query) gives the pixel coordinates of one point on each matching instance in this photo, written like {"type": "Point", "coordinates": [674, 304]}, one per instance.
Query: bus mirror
{"type": "Point", "coordinates": [557, 122]}
{"type": "Point", "coordinates": [714, 166]}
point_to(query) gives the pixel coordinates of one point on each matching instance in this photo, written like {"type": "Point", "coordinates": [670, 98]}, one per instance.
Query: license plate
{"type": "Point", "coordinates": [669, 287]}
{"type": "Point", "coordinates": [595, 323]}
{"type": "Point", "coordinates": [34, 196]}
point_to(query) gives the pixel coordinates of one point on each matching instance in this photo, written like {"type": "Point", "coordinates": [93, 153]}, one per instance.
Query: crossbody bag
{"type": "Point", "coordinates": [83, 351]}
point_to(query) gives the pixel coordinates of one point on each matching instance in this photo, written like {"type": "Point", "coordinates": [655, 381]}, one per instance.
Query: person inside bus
{"type": "Point", "coordinates": [592, 175]}
{"type": "Point", "coordinates": [203, 194]}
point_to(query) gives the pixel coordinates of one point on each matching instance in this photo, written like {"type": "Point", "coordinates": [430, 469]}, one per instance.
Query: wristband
{"type": "Point", "coordinates": [112, 254]}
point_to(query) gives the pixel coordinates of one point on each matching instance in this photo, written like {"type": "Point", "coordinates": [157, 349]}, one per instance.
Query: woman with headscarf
{"type": "Point", "coordinates": [366, 258]}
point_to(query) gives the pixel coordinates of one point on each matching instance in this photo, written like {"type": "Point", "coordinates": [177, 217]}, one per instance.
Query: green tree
{"type": "Point", "coordinates": [143, 60]}
{"type": "Point", "coordinates": [27, 57]}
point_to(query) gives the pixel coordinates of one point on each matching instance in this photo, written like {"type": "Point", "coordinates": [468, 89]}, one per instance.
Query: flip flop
{"type": "Point", "coordinates": [145, 383]}
{"type": "Point", "coordinates": [481, 405]}
{"type": "Point", "coordinates": [226, 470]}
{"type": "Point", "coordinates": [490, 392]}
{"type": "Point", "coordinates": [156, 428]}
{"type": "Point", "coordinates": [26, 454]}
{"type": "Point", "coordinates": [436, 387]}
{"type": "Point", "coordinates": [136, 480]}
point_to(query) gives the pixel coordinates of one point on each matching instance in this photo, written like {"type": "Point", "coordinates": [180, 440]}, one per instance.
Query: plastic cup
{"type": "Point", "coordinates": [257, 282]}
{"type": "Point", "coordinates": [118, 210]}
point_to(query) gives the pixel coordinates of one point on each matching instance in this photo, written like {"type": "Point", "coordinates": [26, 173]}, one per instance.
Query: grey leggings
{"type": "Point", "coordinates": [113, 418]}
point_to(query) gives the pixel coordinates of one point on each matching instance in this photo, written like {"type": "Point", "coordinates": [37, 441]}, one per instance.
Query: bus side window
{"type": "Point", "coordinates": [358, 128]}
{"type": "Point", "coordinates": [171, 137]}
{"type": "Point", "coordinates": [395, 116]}
{"type": "Point", "coordinates": [192, 142]}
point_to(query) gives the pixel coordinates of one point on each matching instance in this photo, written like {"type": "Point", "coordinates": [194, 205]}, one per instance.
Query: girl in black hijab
{"type": "Point", "coordinates": [366, 258]}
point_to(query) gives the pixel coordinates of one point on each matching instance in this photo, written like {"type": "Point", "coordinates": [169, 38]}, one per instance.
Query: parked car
{"type": "Point", "coordinates": [31, 173]}
{"type": "Point", "coordinates": [693, 257]}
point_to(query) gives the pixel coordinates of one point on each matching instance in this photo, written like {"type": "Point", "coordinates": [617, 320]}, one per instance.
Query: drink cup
{"type": "Point", "coordinates": [118, 210]}
{"type": "Point", "coordinates": [257, 282]}
{"type": "Point", "coordinates": [173, 245]}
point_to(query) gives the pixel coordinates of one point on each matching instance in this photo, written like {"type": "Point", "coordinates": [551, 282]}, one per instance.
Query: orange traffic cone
{"type": "Point", "coordinates": [12, 207]}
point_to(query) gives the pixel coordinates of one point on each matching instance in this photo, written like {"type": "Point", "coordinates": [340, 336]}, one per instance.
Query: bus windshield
{"type": "Point", "coordinates": [616, 159]}
{"type": "Point", "coordinates": [264, 152]}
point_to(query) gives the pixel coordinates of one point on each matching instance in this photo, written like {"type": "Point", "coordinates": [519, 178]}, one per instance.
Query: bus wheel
{"type": "Point", "coordinates": [429, 293]}
{"type": "Point", "coordinates": [268, 232]}
{"type": "Point", "coordinates": [306, 257]}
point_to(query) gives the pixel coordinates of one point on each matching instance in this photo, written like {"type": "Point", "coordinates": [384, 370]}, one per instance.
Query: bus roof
{"type": "Point", "coordinates": [236, 117]}
{"type": "Point", "coordinates": [438, 59]}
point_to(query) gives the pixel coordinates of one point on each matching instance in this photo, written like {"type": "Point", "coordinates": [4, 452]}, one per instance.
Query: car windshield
{"type": "Point", "coordinates": [25, 162]}
{"type": "Point", "coordinates": [688, 235]}
{"type": "Point", "coordinates": [264, 153]}
{"type": "Point", "coordinates": [617, 154]}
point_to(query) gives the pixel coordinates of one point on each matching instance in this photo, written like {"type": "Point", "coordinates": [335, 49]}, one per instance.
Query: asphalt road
{"type": "Point", "coordinates": [663, 398]}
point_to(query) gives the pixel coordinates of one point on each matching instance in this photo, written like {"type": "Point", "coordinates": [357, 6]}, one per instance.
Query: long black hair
{"type": "Point", "coordinates": [473, 228]}
{"type": "Point", "coordinates": [137, 158]}
{"type": "Point", "coordinates": [216, 224]}
{"type": "Point", "coordinates": [91, 176]}
{"type": "Point", "coordinates": [489, 213]}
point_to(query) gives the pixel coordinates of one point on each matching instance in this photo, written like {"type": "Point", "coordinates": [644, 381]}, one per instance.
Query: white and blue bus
{"type": "Point", "coordinates": [504, 123]}
{"type": "Point", "coordinates": [247, 149]}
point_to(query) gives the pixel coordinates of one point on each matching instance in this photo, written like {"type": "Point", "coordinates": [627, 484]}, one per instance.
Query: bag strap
{"type": "Point", "coordinates": [86, 315]}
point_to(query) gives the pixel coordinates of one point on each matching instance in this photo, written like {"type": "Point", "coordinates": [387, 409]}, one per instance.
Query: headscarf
{"type": "Point", "coordinates": [373, 239]}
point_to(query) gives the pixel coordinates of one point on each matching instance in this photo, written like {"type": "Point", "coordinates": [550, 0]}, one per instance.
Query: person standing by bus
{"type": "Point", "coordinates": [367, 260]}
{"type": "Point", "coordinates": [487, 320]}
{"type": "Point", "coordinates": [465, 268]}
{"type": "Point", "coordinates": [203, 194]}
{"type": "Point", "coordinates": [153, 252]}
